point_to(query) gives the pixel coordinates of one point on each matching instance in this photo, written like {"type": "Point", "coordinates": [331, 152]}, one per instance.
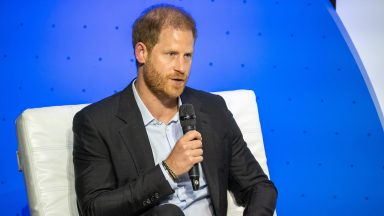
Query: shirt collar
{"type": "Point", "coordinates": [147, 116]}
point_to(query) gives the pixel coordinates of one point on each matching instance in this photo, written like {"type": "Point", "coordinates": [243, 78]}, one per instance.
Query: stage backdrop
{"type": "Point", "coordinates": [322, 134]}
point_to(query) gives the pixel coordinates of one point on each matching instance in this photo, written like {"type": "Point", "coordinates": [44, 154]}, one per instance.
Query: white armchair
{"type": "Point", "coordinates": [45, 152]}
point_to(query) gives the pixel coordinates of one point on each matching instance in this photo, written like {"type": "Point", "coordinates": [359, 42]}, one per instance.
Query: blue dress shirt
{"type": "Point", "coordinates": [163, 138]}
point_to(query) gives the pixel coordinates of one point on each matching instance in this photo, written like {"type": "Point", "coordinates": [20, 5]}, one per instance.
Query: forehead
{"type": "Point", "coordinates": [172, 37]}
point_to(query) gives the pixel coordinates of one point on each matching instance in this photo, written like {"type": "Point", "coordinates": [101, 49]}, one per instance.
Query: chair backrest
{"type": "Point", "coordinates": [45, 152]}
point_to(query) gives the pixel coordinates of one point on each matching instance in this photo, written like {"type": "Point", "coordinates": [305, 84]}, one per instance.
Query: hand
{"type": "Point", "coordinates": [187, 152]}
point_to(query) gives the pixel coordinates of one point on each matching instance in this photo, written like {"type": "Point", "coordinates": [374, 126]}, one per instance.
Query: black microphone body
{"type": "Point", "coordinates": [188, 123]}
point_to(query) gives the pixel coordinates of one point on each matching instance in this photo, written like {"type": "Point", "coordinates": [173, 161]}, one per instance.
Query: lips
{"type": "Point", "coordinates": [178, 81]}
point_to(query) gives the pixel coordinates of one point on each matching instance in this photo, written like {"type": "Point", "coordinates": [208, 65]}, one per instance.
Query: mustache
{"type": "Point", "coordinates": [178, 77]}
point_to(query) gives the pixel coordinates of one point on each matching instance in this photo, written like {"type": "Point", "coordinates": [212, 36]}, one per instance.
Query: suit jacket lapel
{"type": "Point", "coordinates": [133, 131]}
{"type": "Point", "coordinates": [136, 139]}
{"type": "Point", "coordinates": [209, 165]}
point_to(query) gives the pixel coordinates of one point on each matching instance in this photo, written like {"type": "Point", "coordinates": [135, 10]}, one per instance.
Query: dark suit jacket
{"type": "Point", "coordinates": [115, 172]}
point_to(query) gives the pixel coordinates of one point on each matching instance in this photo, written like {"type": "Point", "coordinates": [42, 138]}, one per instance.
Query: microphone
{"type": "Point", "coordinates": [188, 123]}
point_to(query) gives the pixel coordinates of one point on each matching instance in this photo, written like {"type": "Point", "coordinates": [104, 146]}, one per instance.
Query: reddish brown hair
{"type": "Point", "coordinates": [147, 27]}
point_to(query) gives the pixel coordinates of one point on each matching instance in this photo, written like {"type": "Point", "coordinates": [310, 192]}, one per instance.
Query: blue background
{"type": "Point", "coordinates": [322, 134]}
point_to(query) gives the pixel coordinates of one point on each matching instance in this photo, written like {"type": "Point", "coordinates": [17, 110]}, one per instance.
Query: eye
{"type": "Point", "coordinates": [172, 54]}
{"type": "Point", "coordinates": [188, 55]}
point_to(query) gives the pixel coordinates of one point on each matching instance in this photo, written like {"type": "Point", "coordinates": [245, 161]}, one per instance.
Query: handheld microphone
{"type": "Point", "coordinates": [188, 123]}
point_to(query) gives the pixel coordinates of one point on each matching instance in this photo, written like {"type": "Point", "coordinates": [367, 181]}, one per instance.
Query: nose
{"type": "Point", "coordinates": [181, 65]}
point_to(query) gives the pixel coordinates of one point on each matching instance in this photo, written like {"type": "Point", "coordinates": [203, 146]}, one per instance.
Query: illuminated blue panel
{"type": "Point", "coordinates": [322, 135]}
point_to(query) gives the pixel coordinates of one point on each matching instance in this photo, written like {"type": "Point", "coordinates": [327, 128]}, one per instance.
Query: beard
{"type": "Point", "coordinates": [161, 84]}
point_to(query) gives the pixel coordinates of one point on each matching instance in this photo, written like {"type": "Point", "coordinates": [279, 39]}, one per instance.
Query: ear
{"type": "Point", "coordinates": [141, 52]}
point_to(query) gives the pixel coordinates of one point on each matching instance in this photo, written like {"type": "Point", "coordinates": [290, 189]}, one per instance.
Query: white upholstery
{"type": "Point", "coordinates": [45, 152]}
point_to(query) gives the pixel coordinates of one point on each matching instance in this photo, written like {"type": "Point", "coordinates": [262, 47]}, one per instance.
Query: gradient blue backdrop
{"type": "Point", "coordinates": [322, 135]}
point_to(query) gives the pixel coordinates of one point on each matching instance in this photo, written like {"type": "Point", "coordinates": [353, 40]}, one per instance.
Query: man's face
{"type": "Point", "coordinates": [168, 65]}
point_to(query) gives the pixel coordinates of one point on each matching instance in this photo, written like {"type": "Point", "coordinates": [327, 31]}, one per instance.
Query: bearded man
{"type": "Point", "coordinates": [130, 154]}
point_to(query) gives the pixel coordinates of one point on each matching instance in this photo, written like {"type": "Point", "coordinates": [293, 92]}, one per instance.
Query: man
{"type": "Point", "coordinates": [130, 154]}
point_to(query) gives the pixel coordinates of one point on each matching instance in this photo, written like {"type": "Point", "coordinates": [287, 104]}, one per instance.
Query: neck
{"type": "Point", "coordinates": [161, 107]}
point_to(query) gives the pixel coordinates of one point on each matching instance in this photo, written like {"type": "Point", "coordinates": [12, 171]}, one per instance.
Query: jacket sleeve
{"type": "Point", "coordinates": [97, 190]}
{"type": "Point", "coordinates": [249, 184]}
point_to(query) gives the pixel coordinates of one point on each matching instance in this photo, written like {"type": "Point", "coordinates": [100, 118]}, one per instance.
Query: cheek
{"type": "Point", "coordinates": [166, 65]}
{"type": "Point", "coordinates": [162, 65]}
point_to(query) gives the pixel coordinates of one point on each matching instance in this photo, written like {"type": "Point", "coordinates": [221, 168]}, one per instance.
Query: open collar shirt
{"type": "Point", "coordinates": [162, 138]}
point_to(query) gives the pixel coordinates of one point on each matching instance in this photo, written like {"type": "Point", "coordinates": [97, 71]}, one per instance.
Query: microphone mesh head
{"type": "Point", "coordinates": [187, 115]}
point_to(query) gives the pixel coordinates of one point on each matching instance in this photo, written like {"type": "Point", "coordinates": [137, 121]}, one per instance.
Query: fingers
{"type": "Point", "coordinates": [190, 141]}
{"type": "Point", "coordinates": [192, 135]}
{"type": "Point", "coordinates": [199, 159]}
{"type": "Point", "coordinates": [194, 144]}
{"type": "Point", "coordinates": [196, 152]}
{"type": "Point", "coordinates": [196, 156]}
{"type": "Point", "coordinates": [187, 152]}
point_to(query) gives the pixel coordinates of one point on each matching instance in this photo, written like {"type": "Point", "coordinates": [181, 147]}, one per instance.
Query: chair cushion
{"type": "Point", "coordinates": [242, 104]}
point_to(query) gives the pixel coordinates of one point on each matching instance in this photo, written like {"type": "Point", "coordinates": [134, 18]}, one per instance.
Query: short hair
{"type": "Point", "coordinates": [149, 24]}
